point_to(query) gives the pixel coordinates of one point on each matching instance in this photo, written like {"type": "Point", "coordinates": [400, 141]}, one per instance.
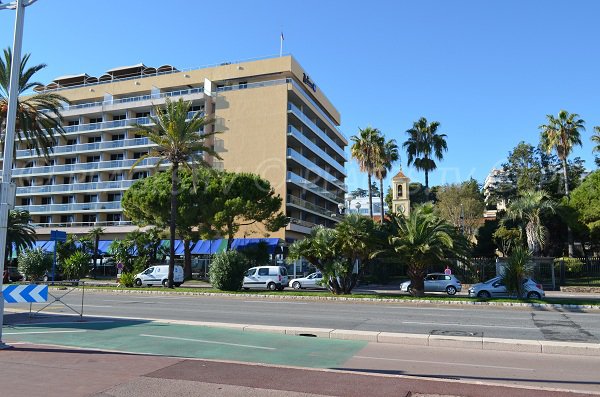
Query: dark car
{"type": "Point", "coordinates": [13, 274]}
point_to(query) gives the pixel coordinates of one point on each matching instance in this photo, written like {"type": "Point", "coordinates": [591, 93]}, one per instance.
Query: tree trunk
{"type": "Point", "coordinates": [417, 281]}
{"type": "Point", "coordinates": [187, 259]}
{"type": "Point", "coordinates": [567, 195]}
{"type": "Point", "coordinates": [370, 198]}
{"type": "Point", "coordinates": [173, 220]}
{"type": "Point", "coordinates": [427, 183]}
{"type": "Point", "coordinates": [381, 199]}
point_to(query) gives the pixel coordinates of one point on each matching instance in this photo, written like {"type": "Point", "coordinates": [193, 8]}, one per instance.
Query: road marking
{"type": "Point", "coordinates": [278, 303]}
{"type": "Point", "coordinates": [44, 332]}
{"type": "Point", "coordinates": [63, 322]}
{"type": "Point", "coordinates": [209, 341]}
{"type": "Point", "coordinates": [86, 305]}
{"type": "Point", "coordinates": [424, 308]}
{"type": "Point", "coordinates": [467, 325]}
{"type": "Point", "coordinates": [444, 363]}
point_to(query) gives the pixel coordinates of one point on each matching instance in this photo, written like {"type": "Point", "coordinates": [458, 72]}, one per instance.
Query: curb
{"type": "Point", "coordinates": [350, 299]}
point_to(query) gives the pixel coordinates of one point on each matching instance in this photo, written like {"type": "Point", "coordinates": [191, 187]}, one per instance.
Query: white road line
{"type": "Point", "coordinates": [278, 303]}
{"type": "Point", "coordinates": [209, 341]}
{"type": "Point", "coordinates": [467, 325]}
{"type": "Point", "coordinates": [44, 332]}
{"type": "Point", "coordinates": [86, 305]}
{"type": "Point", "coordinates": [445, 363]}
{"type": "Point", "coordinates": [424, 308]}
{"type": "Point", "coordinates": [30, 325]}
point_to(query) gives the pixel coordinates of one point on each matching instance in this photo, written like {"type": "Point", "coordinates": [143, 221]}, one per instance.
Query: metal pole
{"type": "Point", "coordinates": [9, 144]}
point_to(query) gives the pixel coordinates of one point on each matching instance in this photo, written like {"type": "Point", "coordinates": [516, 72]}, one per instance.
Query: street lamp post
{"type": "Point", "coordinates": [7, 187]}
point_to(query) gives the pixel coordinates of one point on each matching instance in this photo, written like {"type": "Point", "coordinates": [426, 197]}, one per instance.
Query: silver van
{"type": "Point", "coordinates": [269, 277]}
{"type": "Point", "coordinates": [159, 275]}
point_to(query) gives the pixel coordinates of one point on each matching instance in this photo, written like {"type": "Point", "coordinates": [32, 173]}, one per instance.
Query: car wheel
{"type": "Point", "coordinates": [281, 288]}
{"type": "Point", "coordinates": [246, 289]}
{"type": "Point", "coordinates": [451, 290]}
{"type": "Point", "coordinates": [271, 286]}
{"type": "Point", "coordinates": [138, 282]}
{"type": "Point", "coordinates": [534, 295]}
{"type": "Point", "coordinates": [484, 294]}
{"type": "Point", "coordinates": [165, 283]}
{"type": "Point", "coordinates": [296, 285]}
{"type": "Point", "coordinates": [409, 289]}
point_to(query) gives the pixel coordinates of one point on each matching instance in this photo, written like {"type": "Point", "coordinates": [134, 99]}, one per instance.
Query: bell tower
{"type": "Point", "coordinates": [400, 198]}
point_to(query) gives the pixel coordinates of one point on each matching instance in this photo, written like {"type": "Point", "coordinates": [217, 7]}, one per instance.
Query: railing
{"type": "Point", "coordinates": [306, 184]}
{"type": "Point", "coordinates": [309, 206]}
{"type": "Point", "coordinates": [252, 85]}
{"type": "Point", "coordinates": [86, 147]}
{"type": "Point", "coordinates": [109, 205]}
{"type": "Point", "coordinates": [82, 224]}
{"type": "Point", "coordinates": [316, 129]}
{"type": "Point", "coordinates": [293, 131]}
{"type": "Point", "coordinates": [52, 169]}
{"type": "Point", "coordinates": [112, 185]}
{"type": "Point", "coordinates": [313, 167]}
{"type": "Point", "coordinates": [301, 222]}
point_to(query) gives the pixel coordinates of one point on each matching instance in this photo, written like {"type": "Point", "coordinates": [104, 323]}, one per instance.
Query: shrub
{"type": "Point", "coordinates": [518, 266]}
{"type": "Point", "coordinates": [127, 279]}
{"type": "Point", "coordinates": [77, 265]}
{"type": "Point", "coordinates": [572, 265]}
{"type": "Point", "coordinates": [33, 263]}
{"type": "Point", "coordinates": [227, 271]}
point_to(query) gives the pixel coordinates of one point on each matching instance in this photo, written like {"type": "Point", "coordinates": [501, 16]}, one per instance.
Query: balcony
{"type": "Point", "coordinates": [77, 207]}
{"type": "Point", "coordinates": [90, 147]}
{"type": "Point", "coordinates": [300, 159]}
{"type": "Point", "coordinates": [74, 187]}
{"type": "Point", "coordinates": [308, 206]}
{"type": "Point", "coordinates": [316, 189]}
{"type": "Point", "coordinates": [318, 131]}
{"type": "Point", "coordinates": [97, 166]}
{"type": "Point", "coordinates": [300, 137]}
{"type": "Point", "coordinates": [82, 224]}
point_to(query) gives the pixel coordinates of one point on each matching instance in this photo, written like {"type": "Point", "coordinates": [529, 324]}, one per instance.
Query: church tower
{"type": "Point", "coordinates": [400, 198]}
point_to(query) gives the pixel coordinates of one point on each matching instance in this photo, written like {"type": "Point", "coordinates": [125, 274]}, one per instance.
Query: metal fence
{"type": "Point", "coordinates": [578, 271]}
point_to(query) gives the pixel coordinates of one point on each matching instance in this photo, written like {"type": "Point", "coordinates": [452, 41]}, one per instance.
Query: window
{"type": "Point", "coordinates": [243, 84]}
{"type": "Point", "coordinates": [140, 175]}
{"type": "Point", "coordinates": [45, 219]}
{"type": "Point", "coordinates": [47, 181]}
{"type": "Point", "coordinates": [115, 177]}
{"type": "Point", "coordinates": [29, 164]}
{"type": "Point", "coordinates": [90, 198]}
{"type": "Point", "coordinates": [114, 196]}
{"type": "Point", "coordinates": [46, 200]}
{"type": "Point", "coordinates": [116, 156]}
{"type": "Point", "coordinates": [95, 120]}
{"type": "Point", "coordinates": [118, 137]}
{"type": "Point", "coordinates": [73, 122]}
{"type": "Point", "coordinates": [68, 199]}
{"type": "Point", "coordinates": [91, 178]}
{"type": "Point", "coordinates": [67, 180]}
{"type": "Point", "coordinates": [66, 218]}
{"type": "Point", "coordinates": [250, 272]}
{"type": "Point", "coordinates": [113, 217]}
{"type": "Point", "coordinates": [94, 139]}
{"type": "Point", "coordinates": [89, 218]}
{"type": "Point", "coordinates": [27, 182]}
{"type": "Point", "coordinates": [142, 114]}
{"type": "Point", "coordinates": [399, 189]}
{"type": "Point", "coordinates": [92, 159]}
{"type": "Point", "coordinates": [26, 201]}
{"type": "Point", "coordinates": [138, 136]}
{"type": "Point", "coordinates": [137, 155]}
{"type": "Point", "coordinates": [71, 160]}
{"type": "Point", "coordinates": [119, 117]}
{"type": "Point", "coordinates": [196, 108]}
{"type": "Point", "coordinates": [263, 271]}
{"type": "Point", "coordinates": [72, 141]}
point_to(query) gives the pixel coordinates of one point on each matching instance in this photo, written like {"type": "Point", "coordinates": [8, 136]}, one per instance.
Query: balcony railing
{"type": "Point", "coordinates": [87, 147]}
{"type": "Point", "coordinates": [320, 133]}
{"type": "Point", "coordinates": [314, 168]}
{"type": "Point", "coordinates": [293, 131]}
{"type": "Point", "coordinates": [57, 169]}
{"type": "Point", "coordinates": [308, 185]}
{"type": "Point", "coordinates": [75, 187]}
{"type": "Point", "coordinates": [293, 200]}
{"type": "Point", "coordinates": [50, 208]}
{"type": "Point", "coordinates": [82, 224]}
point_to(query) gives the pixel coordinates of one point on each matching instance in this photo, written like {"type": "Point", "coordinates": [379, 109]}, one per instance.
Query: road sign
{"type": "Point", "coordinates": [120, 266]}
{"type": "Point", "coordinates": [25, 293]}
{"type": "Point", "coordinates": [56, 235]}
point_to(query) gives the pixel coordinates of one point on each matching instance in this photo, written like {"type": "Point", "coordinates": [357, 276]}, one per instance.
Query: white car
{"type": "Point", "coordinates": [269, 277]}
{"type": "Point", "coordinates": [159, 275]}
{"type": "Point", "coordinates": [313, 280]}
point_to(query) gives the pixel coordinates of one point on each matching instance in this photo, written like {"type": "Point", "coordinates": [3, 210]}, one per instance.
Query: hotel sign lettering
{"type": "Point", "coordinates": [306, 80]}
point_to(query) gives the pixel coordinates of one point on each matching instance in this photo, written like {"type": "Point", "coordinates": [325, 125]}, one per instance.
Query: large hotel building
{"type": "Point", "coordinates": [274, 119]}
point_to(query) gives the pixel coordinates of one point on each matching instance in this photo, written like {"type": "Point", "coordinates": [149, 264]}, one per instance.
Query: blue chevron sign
{"type": "Point", "coordinates": [25, 293]}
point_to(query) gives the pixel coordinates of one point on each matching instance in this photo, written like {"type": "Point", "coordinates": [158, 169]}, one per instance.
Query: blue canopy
{"type": "Point", "coordinates": [243, 243]}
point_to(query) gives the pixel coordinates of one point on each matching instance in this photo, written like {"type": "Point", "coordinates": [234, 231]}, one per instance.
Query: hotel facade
{"type": "Point", "coordinates": [274, 119]}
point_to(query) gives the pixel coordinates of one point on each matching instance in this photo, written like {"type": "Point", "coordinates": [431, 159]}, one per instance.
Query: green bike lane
{"type": "Point", "coordinates": [188, 341]}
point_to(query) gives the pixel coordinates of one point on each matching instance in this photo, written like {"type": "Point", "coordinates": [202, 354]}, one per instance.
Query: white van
{"type": "Point", "coordinates": [269, 277]}
{"type": "Point", "coordinates": [159, 275]}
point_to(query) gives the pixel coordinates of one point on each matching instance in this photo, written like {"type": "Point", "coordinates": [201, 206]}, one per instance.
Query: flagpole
{"type": "Point", "coordinates": [281, 45]}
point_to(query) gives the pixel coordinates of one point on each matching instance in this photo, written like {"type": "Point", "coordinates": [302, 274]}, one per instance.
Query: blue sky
{"type": "Point", "coordinates": [488, 71]}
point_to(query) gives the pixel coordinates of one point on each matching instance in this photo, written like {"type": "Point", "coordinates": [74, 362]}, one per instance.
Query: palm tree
{"type": "Point", "coordinates": [596, 140]}
{"type": "Point", "coordinates": [423, 145]}
{"type": "Point", "coordinates": [388, 155]}
{"type": "Point", "coordinates": [180, 142]}
{"type": "Point", "coordinates": [529, 208]}
{"type": "Point", "coordinates": [561, 134]}
{"type": "Point", "coordinates": [95, 235]}
{"type": "Point", "coordinates": [38, 116]}
{"type": "Point", "coordinates": [366, 150]}
{"type": "Point", "coordinates": [423, 239]}
{"type": "Point", "coordinates": [20, 233]}
{"type": "Point", "coordinates": [518, 267]}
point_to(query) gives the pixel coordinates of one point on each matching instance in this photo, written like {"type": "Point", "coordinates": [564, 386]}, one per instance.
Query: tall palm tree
{"type": "Point", "coordinates": [388, 155]}
{"type": "Point", "coordinates": [596, 140]}
{"type": "Point", "coordinates": [181, 143]}
{"type": "Point", "coordinates": [366, 150]}
{"type": "Point", "coordinates": [423, 239]}
{"type": "Point", "coordinates": [95, 235]}
{"type": "Point", "coordinates": [561, 134]}
{"type": "Point", "coordinates": [423, 145]}
{"type": "Point", "coordinates": [529, 208]}
{"type": "Point", "coordinates": [20, 233]}
{"type": "Point", "coordinates": [38, 116]}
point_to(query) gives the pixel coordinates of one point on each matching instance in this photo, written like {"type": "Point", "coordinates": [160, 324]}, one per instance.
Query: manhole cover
{"type": "Point", "coordinates": [456, 333]}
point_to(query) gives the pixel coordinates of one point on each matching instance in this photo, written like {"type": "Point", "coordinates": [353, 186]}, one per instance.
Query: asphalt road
{"type": "Point", "coordinates": [495, 322]}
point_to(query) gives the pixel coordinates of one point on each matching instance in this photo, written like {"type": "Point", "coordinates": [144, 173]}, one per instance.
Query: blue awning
{"type": "Point", "coordinates": [243, 243]}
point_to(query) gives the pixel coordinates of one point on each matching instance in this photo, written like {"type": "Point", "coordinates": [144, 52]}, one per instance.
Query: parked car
{"type": "Point", "coordinates": [313, 280]}
{"type": "Point", "coordinates": [269, 277]}
{"type": "Point", "coordinates": [58, 276]}
{"type": "Point", "coordinates": [495, 288]}
{"type": "Point", "coordinates": [13, 274]}
{"type": "Point", "coordinates": [159, 275]}
{"type": "Point", "coordinates": [437, 282]}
